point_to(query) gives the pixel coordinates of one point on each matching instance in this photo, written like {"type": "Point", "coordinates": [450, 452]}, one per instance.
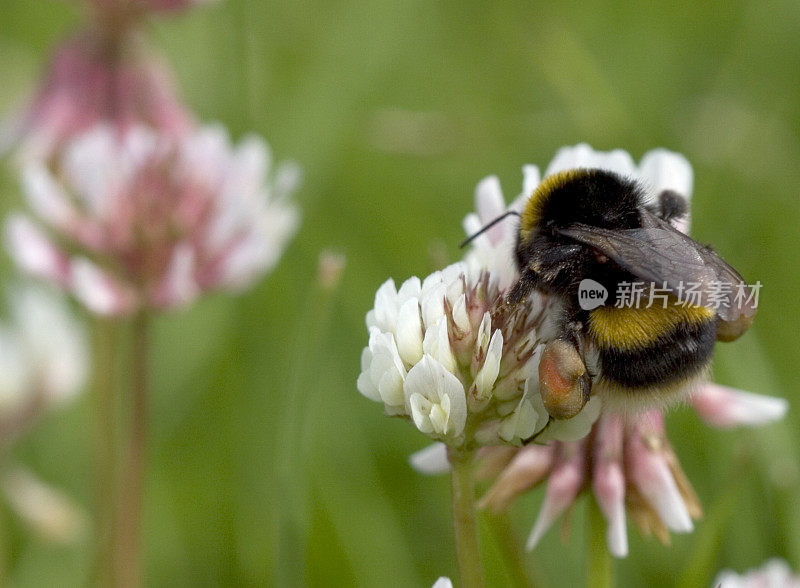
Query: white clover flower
{"type": "Point", "coordinates": [144, 219]}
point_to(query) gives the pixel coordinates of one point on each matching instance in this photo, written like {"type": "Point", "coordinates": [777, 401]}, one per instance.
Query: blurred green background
{"type": "Point", "coordinates": [266, 465]}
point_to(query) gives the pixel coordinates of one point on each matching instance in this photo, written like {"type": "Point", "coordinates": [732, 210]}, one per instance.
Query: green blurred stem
{"type": "Point", "coordinates": [105, 449]}
{"type": "Point", "coordinates": [466, 529]}
{"type": "Point", "coordinates": [129, 538]}
{"type": "Point", "coordinates": [599, 558]}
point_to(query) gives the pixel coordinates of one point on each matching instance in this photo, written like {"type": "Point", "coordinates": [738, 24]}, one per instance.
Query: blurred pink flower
{"type": "Point", "coordinates": [94, 78]}
{"type": "Point", "coordinates": [630, 468]}
{"type": "Point", "coordinates": [142, 219]}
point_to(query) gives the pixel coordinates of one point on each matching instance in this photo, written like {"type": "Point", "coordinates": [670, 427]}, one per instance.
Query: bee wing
{"type": "Point", "coordinates": [740, 303]}
{"type": "Point", "coordinates": [661, 254]}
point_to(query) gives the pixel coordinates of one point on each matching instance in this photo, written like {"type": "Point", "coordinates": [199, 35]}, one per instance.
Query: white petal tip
{"type": "Point", "coordinates": [430, 461]}
{"type": "Point", "coordinates": [769, 411]}
{"type": "Point", "coordinates": [726, 407]}
{"type": "Point", "coordinates": [617, 536]}
{"type": "Point", "coordinates": [680, 522]}
{"type": "Point", "coordinates": [619, 551]}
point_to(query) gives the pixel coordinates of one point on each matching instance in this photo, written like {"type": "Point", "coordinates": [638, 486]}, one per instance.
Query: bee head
{"type": "Point", "coordinates": [579, 196]}
{"type": "Point", "coordinates": [587, 196]}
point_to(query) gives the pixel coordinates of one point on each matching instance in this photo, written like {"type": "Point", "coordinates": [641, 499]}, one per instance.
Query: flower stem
{"type": "Point", "coordinates": [600, 575]}
{"type": "Point", "coordinates": [466, 530]}
{"type": "Point", "coordinates": [129, 539]}
{"type": "Point", "coordinates": [105, 449]}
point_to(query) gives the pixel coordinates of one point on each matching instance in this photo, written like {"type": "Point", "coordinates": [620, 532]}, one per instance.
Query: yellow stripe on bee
{"type": "Point", "coordinates": [532, 212]}
{"type": "Point", "coordinates": [629, 328]}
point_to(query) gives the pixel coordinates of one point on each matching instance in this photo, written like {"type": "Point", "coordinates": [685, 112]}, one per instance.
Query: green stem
{"type": "Point", "coordinates": [600, 573]}
{"type": "Point", "coordinates": [466, 530]}
{"type": "Point", "coordinates": [105, 449]}
{"type": "Point", "coordinates": [129, 539]}
{"type": "Point", "coordinates": [511, 548]}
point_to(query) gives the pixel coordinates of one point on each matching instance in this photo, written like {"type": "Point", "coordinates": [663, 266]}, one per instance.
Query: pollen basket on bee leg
{"type": "Point", "coordinates": [563, 380]}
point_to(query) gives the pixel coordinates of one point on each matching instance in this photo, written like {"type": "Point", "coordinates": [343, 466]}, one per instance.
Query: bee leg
{"type": "Point", "coordinates": [519, 292]}
{"type": "Point", "coordinates": [564, 381]}
{"type": "Point", "coordinates": [671, 205]}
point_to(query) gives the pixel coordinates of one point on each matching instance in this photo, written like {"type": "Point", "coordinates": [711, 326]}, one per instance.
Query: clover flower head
{"type": "Point", "coordinates": [88, 83]}
{"type": "Point", "coordinates": [140, 219]}
{"type": "Point", "coordinates": [448, 354]}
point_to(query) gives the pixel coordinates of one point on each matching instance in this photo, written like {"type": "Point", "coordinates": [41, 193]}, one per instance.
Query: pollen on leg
{"type": "Point", "coordinates": [562, 376]}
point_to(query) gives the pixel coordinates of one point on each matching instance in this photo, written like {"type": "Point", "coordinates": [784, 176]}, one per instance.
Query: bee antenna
{"type": "Point", "coordinates": [469, 239]}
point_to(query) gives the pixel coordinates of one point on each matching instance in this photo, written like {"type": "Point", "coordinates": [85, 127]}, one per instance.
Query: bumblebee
{"type": "Point", "coordinates": [588, 224]}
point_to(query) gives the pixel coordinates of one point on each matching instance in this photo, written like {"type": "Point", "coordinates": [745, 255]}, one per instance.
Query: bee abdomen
{"type": "Point", "coordinates": [644, 347]}
{"type": "Point", "coordinates": [677, 354]}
